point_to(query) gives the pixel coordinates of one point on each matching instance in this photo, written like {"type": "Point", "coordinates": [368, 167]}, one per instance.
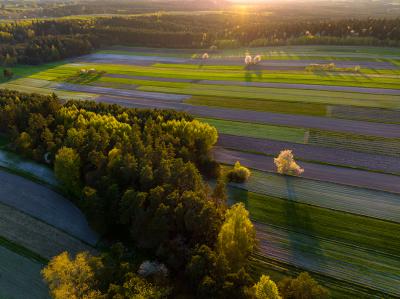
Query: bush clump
{"type": "Point", "coordinates": [239, 174]}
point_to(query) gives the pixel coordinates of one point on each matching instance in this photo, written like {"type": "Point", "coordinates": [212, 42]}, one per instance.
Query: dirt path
{"type": "Point", "coordinates": [333, 174]}
{"type": "Point", "coordinates": [327, 155]}
{"type": "Point", "coordinates": [322, 123]}
{"type": "Point", "coordinates": [44, 204]}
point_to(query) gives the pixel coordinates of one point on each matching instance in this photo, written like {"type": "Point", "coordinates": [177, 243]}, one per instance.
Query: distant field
{"type": "Point", "coordinates": [260, 105]}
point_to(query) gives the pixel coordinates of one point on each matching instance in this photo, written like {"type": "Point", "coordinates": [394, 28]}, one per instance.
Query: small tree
{"type": "Point", "coordinates": [205, 56]}
{"type": "Point", "coordinates": [286, 164]}
{"type": "Point", "coordinates": [8, 73]}
{"type": "Point", "coordinates": [248, 60]}
{"type": "Point", "coordinates": [265, 288]}
{"type": "Point", "coordinates": [257, 59]}
{"type": "Point", "coordinates": [303, 286]}
{"type": "Point", "coordinates": [239, 173]}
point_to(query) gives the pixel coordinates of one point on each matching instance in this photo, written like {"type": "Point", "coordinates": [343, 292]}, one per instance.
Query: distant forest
{"type": "Point", "coordinates": [39, 41]}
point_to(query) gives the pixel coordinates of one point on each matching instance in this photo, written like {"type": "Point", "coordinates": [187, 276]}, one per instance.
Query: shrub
{"type": "Point", "coordinates": [239, 173]}
{"type": "Point", "coordinates": [8, 73]}
{"type": "Point", "coordinates": [286, 164]}
{"type": "Point", "coordinates": [257, 59]}
{"type": "Point", "coordinates": [303, 286]}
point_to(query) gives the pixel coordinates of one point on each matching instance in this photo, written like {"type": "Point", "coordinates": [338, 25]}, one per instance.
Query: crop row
{"type": "Point", "coordinates": [365, 114]}
{"type": "Point", "coordinates": [365, 144]}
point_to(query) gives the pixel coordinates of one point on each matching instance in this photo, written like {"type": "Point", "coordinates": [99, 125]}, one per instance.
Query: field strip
{"type": "Point", "coordinates": [111, 58]}
{"type": "Point", "coordinates": [364, 114]}
{"type": "Point", "coordinates": [42, 203]}
{"type": "Point", "coordinates": [254, 130]}
{"type": "Point", "coordinates": [120, 92]}
{"type": "Point", "coordinates": [130, 59]}
{"type": "Point", "coordinates": [306, 86]}
{"type": "Point", "coordinates": [265, 84]}
{"type": "Point", "coordinates": [39, 237]}
{"type": "Point", "coordinates": [360, 201]}
{"type": "Point", "coordinates": [20, 277]}
{"type": "Point", "coordinates": [149, 78]}
{"type": "Point", "coordinates": [310, 153]}
{"type": "Point", "coordinates": [326, 173]}
{"type": "Point", "coordinates": [288, 51]}
{"type": "Point", "coordinates": [341, 261]}
{"type": "Point", "coordinates": [301, 121]}
{"type": "Point", "coordinates": [281, 95]}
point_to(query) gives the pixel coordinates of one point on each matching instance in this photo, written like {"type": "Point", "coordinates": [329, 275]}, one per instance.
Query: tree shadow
{"type": "Point", "coordinates": [253, 70]}
{"type": "Point", "coordinates": [304, 248]}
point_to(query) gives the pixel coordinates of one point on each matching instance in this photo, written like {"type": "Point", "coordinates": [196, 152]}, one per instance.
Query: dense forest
{"type": "Point", "coordinates": [39, 41]}
{"type": "Point", "coordinates": [135, 175]}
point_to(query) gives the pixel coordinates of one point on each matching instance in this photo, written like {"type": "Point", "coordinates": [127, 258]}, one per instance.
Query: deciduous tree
{"type": "Point", "coordinates": [67, 169]}
{"type": "Point", "coordinates": [236, 239]}
{"type": "Point", "coordinates": [286, 164]}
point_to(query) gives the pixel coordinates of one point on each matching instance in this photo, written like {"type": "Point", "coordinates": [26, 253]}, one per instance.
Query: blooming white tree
{"type": "Point", "coordinates": [205, 56]}
{"type": "Point", "coordinates": [286, 164]}
{"type": "Point", "coordinates": [248, 60]}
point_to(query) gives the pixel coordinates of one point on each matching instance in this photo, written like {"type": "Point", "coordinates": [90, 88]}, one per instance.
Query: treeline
{"type": "Point", "coordinates": [60, 8]}
{"type": "Point", "coordinates": [135, 175]}
{"type": "Point", "coordinates": [34, 42]}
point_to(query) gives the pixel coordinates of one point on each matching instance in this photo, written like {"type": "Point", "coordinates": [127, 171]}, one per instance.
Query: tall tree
{"type": "Point", "coordinates": [236, 239]}
{"type": "Point", "coordinates": [67, 169]}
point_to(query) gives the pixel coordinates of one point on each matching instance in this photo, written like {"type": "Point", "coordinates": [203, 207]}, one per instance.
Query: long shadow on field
{"type": "Point", "coordinates": [251, 70]}
{"type": "Point", "coordinates": [304, 248]}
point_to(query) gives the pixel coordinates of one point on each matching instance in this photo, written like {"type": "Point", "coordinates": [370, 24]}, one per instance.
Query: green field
{"type": "Point", "coordinates": [260, 105]}
{"type": "Point", "coordinates": [354, 249]}
{"type": "Point", "coordinates": [257, 130]}
{"type": "Point", "coordinates": [343, 227]}
{"type": "Point", "coordinates": [376, 204]}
